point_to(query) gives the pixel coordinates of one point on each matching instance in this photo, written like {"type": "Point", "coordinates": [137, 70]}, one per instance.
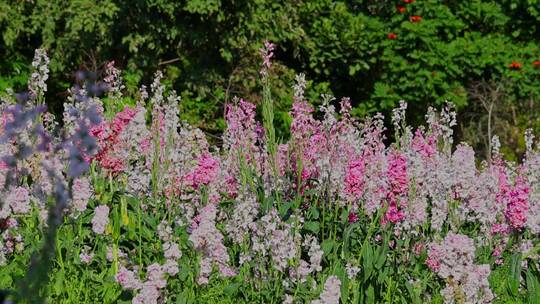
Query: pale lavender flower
{"type": "Point", "coordinates": [110, 254]}
{"type": "Point", "coordinates": [529, 140]}
{"type": "Point", "coordinates": [19, 200]}
{"type": "Point", "coordinates": [331, 292]}
{"type": "Point", "coordinates": [398, 115]}
{"type": "Point", "coordinates": [243, 217]}
{"type": "Point", "coordinates": [352, 270]}
{"type": "Point", "coordinates": [275, 238]}
{"type": "Point", "coordinates": [171, 267]}
{"type": "Point", "coordinates": [315, 253]}
{"type": "Point", "coordinates": [288, 299]}
{"type": "Point", "coordinates": [128, 279]}
{"type": "Point", "coordinates": [266, 54]}
{"type": "Point", "coordinates": [209, 241]}
{"type": "Point", "coordinates": [113, 79]}
{"type": "Point", "coordinates": [299, 87]}
{"type": "Point", "coordinates": [82, 192]}
{"type": "Point", "coordinates": [86, 256]}
{"type": "Point", "coordinates": [453, 260]}
{"type": "Point", "coordinates": [164, 231]}
{"type": "Point", "coordinates": [100, 219]}
{"type": "Point", "coordinates": [37, 83]}
{"type": "Point", "coordinates": [172, 251]}
{"type": "Point", "coordinates": [149, 294]}
{"type": "Point", "coordinates": [156, 275]}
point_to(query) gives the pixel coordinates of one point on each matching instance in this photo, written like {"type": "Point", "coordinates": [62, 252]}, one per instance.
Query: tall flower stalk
{"type": "Point", "coordinates": [267, 52]}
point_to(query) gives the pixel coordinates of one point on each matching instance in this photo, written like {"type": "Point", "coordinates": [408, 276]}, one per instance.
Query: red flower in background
{"type": "Point", "coordinates": [416, 19]}
{"type": "Point", "coordinates": [408, 1]}
{"type": "Point", "coordinates": [401, 9]}
{"type": "Point", "coordinates": [536, 63]}
{"type": "Point", "coordinates": [391, 36]}
{"type": "Point", "coordinates": [514, 65]}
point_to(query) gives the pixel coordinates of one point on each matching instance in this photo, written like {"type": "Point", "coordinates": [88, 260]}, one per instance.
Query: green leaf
{"type": "Point", "coordinates": [370, 293]}
{"type": "Point", "coordinates": [59, 282]}
{"type": "Point", "coordinates": [232, 289]}
{"type": "Point", "coordinates": [284, 208]}
{"type": "Point", "coordinates": [533, 288]}
{"type": "Point", "coordinates": [515, 274]}
{"type": "Point", "coordinates": [381, 255]}
{"type": "Point", "coordinates": [327, 246]}
{"type": "Point", "coordinates": [367, 256]}
{"type": "Point", "coordinates": [313, 213]}
{"type": "Point", "coordinates": [312, 226]}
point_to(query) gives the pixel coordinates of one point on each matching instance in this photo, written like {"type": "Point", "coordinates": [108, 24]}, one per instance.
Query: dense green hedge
{"type": "Point", "coordinates": [376, 52]}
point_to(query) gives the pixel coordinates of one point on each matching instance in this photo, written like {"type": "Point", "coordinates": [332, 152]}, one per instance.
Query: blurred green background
{"type": "Point", "coordinates": [484, 56]}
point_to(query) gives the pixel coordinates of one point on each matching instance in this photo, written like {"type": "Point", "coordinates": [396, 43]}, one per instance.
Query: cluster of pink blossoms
{"type": "Point", "coordinates": [397, 196]}
{"type": "Point", "coordinates": [517, 206]}
{"type": "Point", "coordinates": [107, 135]}
{"type": "Point", "coordinates": [205, 172]}
{"type": "Point", "coordinates": [354, 178]}
{"type": "Point", "coordinates": [425, 146]}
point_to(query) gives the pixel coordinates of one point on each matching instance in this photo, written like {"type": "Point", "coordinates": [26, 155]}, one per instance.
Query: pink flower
{"type": "Point", "coordinates": [121, 119]}
{"type": "Point", "coordinates": [354, 178]}
{"type": "Point", "coordinates": [397, 173]}
{"type": "Point", "coordinates": [499, 228]}
{"type": "Point", "coordinates": [426, 148]}
{"type": "Point", "coordinates": [393, 214]}
{"type": "Point", "coordinates": [418, 248]}
{"type": "Point", "coordinates": [206, 171]}
{"type": "Point", "coordinates": [517, 207]}
{"type": "Point", "coordinates": [107, 135]}
{"type": "Point", "coordinates": [353, 217]}
{"type": "Point", "coordinates": [496, 251]}
{"type": "Point", "coordinates": [398, 180]}
{"type": "Point", "coordinates": [145, 145]}
{"type": "Point", "coordinates": [112, 163]}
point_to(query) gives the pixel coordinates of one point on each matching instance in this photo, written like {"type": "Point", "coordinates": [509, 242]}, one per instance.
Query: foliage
{"type": "Point", "coordinates": [376, 52]}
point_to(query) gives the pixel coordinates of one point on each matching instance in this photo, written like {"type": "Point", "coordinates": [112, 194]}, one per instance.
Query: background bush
{"type": "Point", "coordinates": [376, 52]}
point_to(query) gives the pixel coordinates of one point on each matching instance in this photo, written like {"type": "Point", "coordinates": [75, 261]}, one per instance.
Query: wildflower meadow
{"type": "Point", "coordinates": [127, 203]}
